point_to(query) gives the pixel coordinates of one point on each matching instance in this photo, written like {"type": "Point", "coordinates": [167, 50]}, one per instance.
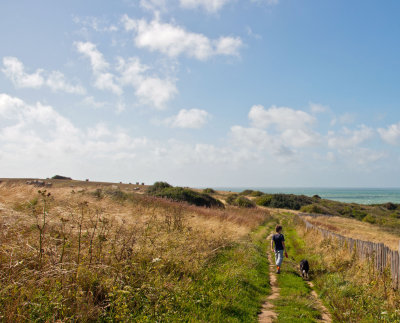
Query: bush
{"type": "Point", "coordinates": [241, 201]}
{"type": "Point", "coordinates": [390, 206]}
{"type": "Point", "coordinates": [264, 200]}
{"type": "Point", "coordinates": [246, 192]}
{"type": "Point", "coordinates": [314, 208]}
{"type": "Point", "coordinates": [61, 177]}
{"type": "Point", "coordinates": [157, 187]}
{"type": "Point", "coordinates": [284, 201]}
{"type": "Point", "coordinates": [256, 193]}
{"type": "Point", "coordinates": [181, 194]}
{"type": "Point", "coordinates": [208, 191]}
{"type": "Point", "coordinates": [369, 218]}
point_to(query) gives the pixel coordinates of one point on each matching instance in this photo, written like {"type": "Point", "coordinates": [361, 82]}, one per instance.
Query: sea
{"type": "Point", "coordinates": [347, 195]}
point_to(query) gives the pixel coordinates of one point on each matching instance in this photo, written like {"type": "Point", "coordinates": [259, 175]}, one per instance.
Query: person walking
{"type": "Point", "coordinates": [278, 240]}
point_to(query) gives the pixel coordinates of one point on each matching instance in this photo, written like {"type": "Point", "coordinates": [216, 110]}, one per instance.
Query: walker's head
{"type": "Point", "coordinates": [278, 228]}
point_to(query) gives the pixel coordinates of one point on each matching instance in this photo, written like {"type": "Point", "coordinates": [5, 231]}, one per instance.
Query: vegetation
{"type": "Point", "coordinates": [352, 289]}
{"type": "Point", "coordinates": [130, 257]}
{"type": "Point", "coordinates": [209, 191]}
{"type": "Point", "coordinates": [61, 177]}
{"type": "Point", "coordinates": [180, 194]}
{"type": "Point", "coordinates": [251, 193]}
{"type": "Point", "coordinates": [240, 201]}
{"type": "Point", "coordinates": [284, 201]}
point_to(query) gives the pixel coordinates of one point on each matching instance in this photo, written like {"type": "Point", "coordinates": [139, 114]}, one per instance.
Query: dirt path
{"type": "Point", "coordinates": [326, 317]}
{"type": "Point", "coordinates": [268, 315]}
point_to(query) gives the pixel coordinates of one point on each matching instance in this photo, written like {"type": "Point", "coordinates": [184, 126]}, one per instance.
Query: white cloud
{"type": "Point", "coordinates": [104, 80]}
{"type": "Point", "coordinates": [293, 127]}
{"type": "Point", "coordinates": [150, 90]}
{"type": "Point", "coordinates": [56, 82]}
{"type": "Point", "coordinates": [95, 23]}
{"type": "Point", "coordinates": [193, 118]}
{"type": "Point", "coordinates": [153, 4]}
{"type": "Point", "coordinates": [350, 138]}
{"type": "Point", "coordinates": [173, 40]}
{"type": "Point", "coordinates": [14, 70]}
{"type": "Point", "coordinates": [391, 134]}
{"type": "Point", "coordinates": [96, 58]}
{"type": "Point", "coordinates": [209, 5]}
{"type": "Point", "coordinates": [281, 117]}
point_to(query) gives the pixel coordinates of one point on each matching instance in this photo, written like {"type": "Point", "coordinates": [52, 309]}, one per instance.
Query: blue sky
{"type": "Point", "coordinates": [202, 92]}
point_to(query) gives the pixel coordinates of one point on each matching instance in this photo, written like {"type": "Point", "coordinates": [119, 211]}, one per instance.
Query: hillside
{"type": "Point", "coordinates": [91, 251]}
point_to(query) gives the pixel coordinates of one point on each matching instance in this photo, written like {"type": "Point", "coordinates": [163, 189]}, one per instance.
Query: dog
{"type": "Point", "coordinates": [304, 268]}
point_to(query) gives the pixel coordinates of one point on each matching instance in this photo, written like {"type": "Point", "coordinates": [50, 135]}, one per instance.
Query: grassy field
{"type": "Point", "coordinates": [103, 252]}
{"type": "Point", "coordinates": [351, 289]}
{"type": "Point", "coordinates": [95, 252]}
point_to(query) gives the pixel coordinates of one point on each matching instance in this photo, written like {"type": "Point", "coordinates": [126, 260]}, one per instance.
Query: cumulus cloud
{"type": "Point", "coordinates": [281, 117]}
{"type": "Point", "coordinates": [104, 80]}
{"type": "Point", "coordinates": [150, 90]}
{"type": "Point", "coordinates": [57, 82]}
{"type": "Point", "coordinates": [294, 127]}
{"type": "Point", "coordinates": [173, 40]}
{"type": "Point", "coordinates": [193, 118]}
{"type": "Point", "coordinates": [349, 138]}
{"type": "Point", "coordinates": [391, 134]}
{"type": "Point", "coordinates": [14, 70]}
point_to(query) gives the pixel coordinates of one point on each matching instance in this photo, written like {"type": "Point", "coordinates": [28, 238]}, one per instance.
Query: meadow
{"type": "Point", "coordinates": [89, 252]}
{"type": "Point", "coordinates": [106, 252]}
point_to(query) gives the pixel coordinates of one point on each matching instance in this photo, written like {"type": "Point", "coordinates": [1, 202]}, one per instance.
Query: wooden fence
{"type": "Point", "coordinates": [382, 255]}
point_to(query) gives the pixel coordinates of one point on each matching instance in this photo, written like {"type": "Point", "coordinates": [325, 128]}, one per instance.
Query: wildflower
{"type": "Point", "coordinates": [156, 260]}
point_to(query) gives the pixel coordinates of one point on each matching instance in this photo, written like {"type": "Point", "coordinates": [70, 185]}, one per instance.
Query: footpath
{"type": "Point", "coordinates": [292, 299]}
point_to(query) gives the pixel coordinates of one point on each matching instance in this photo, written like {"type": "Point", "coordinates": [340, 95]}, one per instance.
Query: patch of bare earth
{"type": "Point", "coordinates": [326, 317]}
{"type": "Point", "coordinates": [268, 314]}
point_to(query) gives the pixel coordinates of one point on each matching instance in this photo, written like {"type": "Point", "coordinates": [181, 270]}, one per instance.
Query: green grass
{"type": "Point", "coordinates": [231, 288]}
{"type": "Point", "coordinates": [295, 304]}
{"type": "Point", "coordinates": [348, 299]}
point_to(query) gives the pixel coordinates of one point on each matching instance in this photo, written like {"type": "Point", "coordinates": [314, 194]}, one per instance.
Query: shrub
{"type": "Point", "coordinates": [208, 191]}
{"type": "Point", "coordinates": [256, 193]}
{"type": "Point", "coordinates": [360, 215]}
{"type": "Point", "coordinates": [390, 206]}
{"type": "Point", "coordinates": [314, 208]}
{"type": "Point", "coordinates": [284, 201]}
{"type": "Point", "coordinates": [61, 177]}
{"type": "Point", "coordinates": [317, 197]}
{"type": "Point", "coordinates": [181, 194]}
{"type": "Point", "coordinates": [241, 201]}
{"type": "Point", "coordinates": [158, 186]}
{"type": "Point", "coordinates": [369, 218]}
{"type": "Point", "coordinates": [246, 192]}
{"type": "Point", "coordinates": [264, 200]}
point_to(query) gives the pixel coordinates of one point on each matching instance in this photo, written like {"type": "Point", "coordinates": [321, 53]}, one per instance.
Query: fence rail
{"type": "Point", "coordinates": [382, 255]}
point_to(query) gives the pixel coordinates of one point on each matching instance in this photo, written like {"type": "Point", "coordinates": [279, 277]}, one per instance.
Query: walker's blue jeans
{"type": "Point", "coordinates": [278, 257]}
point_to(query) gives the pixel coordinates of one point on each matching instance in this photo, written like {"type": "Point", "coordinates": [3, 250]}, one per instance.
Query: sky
{"type": "Point", "coordinates": [202, 93]}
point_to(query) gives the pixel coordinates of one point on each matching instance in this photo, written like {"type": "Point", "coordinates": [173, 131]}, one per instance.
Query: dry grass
{"type": "Point", "coordinates": [356, 229]}
{"type": "Point", "coordinates": [72, 255]}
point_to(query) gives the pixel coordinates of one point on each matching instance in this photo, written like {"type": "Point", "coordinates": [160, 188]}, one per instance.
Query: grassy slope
{"type": "Point", "coordinates": [141, 259]}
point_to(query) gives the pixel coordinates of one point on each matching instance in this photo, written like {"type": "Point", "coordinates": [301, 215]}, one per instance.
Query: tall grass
{"type": "Point", "coordinates": [129, 257]}
{"type": "Point", "coordinates": [352, 289]}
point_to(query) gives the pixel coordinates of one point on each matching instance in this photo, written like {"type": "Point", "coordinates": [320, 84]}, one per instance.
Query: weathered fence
{"type": "Point", "coordinates": [382, 255]}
